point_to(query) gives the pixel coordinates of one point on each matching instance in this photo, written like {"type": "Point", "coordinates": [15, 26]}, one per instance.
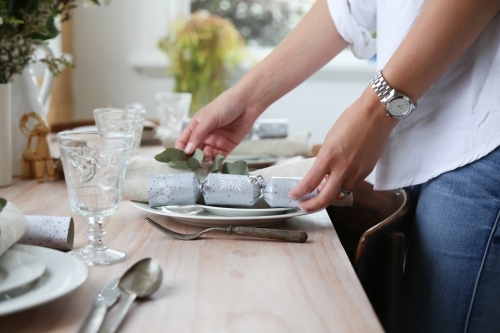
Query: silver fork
{"type": "Point", "coordinates": [283, 235]}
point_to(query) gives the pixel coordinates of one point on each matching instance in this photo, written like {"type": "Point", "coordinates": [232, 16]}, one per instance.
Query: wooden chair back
{"type": "Point", "coordinates": [373, 232]}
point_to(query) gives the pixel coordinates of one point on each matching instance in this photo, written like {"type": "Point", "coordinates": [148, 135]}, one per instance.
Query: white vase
{"type": "Point", "coordinates": [27, 97]}
{"type": "Point", "coordinates": [5, 135]}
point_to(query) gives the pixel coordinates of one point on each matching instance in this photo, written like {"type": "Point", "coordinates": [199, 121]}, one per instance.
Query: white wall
{"type": "Point", "coordinates": [108, 40]}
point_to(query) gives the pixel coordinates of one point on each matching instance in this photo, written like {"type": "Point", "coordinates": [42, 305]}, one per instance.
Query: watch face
{"type": "Point", "coordinates": [398, 107]}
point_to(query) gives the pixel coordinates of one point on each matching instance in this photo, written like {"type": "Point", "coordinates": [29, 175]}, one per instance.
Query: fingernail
{"type": "Point", "coordinates": [189, 147]}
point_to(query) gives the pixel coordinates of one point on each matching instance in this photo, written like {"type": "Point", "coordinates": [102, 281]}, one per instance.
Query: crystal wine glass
{"type": "Point", "coordinates": [172, 108]}
{"type": "Point", "coordinates": [122, 120]}
{"type": "Point", "coordinates": [94, 168]}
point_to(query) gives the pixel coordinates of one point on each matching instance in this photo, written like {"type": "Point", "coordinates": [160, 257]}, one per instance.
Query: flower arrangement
{"type": "Point", "coordinates": [202, 49]}
{"type": "Point", "coordinates": [25, 24]}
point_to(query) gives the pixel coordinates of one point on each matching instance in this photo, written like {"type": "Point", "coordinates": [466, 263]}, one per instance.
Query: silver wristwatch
{"type": "Point", "coordinates": [396, 104]}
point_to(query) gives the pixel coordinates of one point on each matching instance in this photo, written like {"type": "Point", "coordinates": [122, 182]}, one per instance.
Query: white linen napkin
{"type": "Point", "coordinates": [135, 185]}
{"type": "Point", "coordinates": [294, 145]}
{"type": "Point", "coordinates": [13, 226]}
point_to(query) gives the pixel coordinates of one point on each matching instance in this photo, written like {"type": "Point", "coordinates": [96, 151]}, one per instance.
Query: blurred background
{"type": "Point", "coordinates": [115, 48]}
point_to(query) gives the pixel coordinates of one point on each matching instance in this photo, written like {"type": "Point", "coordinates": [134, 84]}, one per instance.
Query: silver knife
{"type": "Point", "coordinates": [103, 300]}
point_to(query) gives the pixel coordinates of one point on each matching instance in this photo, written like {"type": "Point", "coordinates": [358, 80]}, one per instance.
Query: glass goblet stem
{"type": "Point", "coordinates": [95, 252]}
{"type": "Point", "coordinates": [95, 233]}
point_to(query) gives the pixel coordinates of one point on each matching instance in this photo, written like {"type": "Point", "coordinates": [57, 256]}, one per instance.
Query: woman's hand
{"type": "Point", "coordinates": [220, 126]}
{"type": "Point", "coordinates": [351, 149]}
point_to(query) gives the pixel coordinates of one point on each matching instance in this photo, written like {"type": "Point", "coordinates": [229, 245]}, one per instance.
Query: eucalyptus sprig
{"type": "Point", "coordinates": [3, 203]}
{"type": "Point", "coordinates": [177, 159]}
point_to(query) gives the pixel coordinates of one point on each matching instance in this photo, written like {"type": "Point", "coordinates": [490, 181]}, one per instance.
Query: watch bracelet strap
{"type": "Point", "coordinates": [380, 85]}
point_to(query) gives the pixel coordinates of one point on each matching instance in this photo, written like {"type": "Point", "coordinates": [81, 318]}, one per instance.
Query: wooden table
{"type": "Point", "coordinates": [219, 283]}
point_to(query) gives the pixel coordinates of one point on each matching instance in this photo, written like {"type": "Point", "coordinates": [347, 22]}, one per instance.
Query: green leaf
{"type": "Point", "coordinates": [198, 154]}
{"type": "Point", "coordinates": [3, 203]}
{"type": "Point", "coordinates": [218, 160]}
{"type": "Point", "coordinates": [193, 163]}
{"type": "Point", "coordinates": [178, 164]}
{"type": "Point", "coordinates": [162, 157]}
{"type": "Point", "coordinates": [171, 154]}
{"type": "Point", "coordinates": [235, 168]}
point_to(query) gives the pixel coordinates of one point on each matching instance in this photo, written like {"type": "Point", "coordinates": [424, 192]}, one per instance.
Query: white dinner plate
{"type": "Point", "coordinates": [206, 219]}
{"type": "Point", "coordinates": [243, 211]}
{"type": "Point", "coordinates": [63, 273]}
{"type": "Point", "coordinates": [18, 268]}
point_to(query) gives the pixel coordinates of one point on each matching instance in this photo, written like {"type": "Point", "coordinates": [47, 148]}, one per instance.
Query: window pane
{"type": "Point", "coordinates": [261, 22]}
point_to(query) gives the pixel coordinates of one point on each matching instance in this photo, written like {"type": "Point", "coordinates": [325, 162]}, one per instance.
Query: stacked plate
{"type": "Point", "coordinates": [216, 216]}
{"type": "Point", "coordinates": [32, 275]}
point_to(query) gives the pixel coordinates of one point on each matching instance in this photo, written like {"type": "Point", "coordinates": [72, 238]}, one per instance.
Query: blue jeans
{"type": "Point", "coordinates": [452, 271]}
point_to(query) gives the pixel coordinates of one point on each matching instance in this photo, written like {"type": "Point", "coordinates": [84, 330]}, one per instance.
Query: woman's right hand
{"type": "Point", "coordinates": [220, 126]}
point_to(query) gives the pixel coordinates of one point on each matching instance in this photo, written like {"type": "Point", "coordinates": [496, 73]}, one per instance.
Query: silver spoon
{"type": "Point", "coordinates": [139, 281]}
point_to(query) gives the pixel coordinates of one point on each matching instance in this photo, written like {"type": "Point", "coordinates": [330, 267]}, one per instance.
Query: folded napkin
{"type": "Point", "coordinates": [135, 185]}
{"type": "Point", "coordinates": [297, 144]}
{"type": "Point", "coordinates": [13, 226]}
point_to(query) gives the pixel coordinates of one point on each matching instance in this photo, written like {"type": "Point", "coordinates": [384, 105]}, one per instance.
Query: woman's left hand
{"type": "Point", "coordinates": [351, 149]}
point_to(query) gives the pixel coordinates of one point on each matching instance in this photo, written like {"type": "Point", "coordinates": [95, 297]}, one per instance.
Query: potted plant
{"type": "Point", "coordinates": [24, 26]}
{"type": "Point", "coordinates": [203, 50]}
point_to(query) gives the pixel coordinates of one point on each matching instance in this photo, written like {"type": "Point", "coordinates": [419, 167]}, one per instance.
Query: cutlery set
{"type": "Point", "coordinates": [141, 280]}
{"type": "Point", "coordinates": [144, 278]}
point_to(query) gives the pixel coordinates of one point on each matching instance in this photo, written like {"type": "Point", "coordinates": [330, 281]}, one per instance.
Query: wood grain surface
{"type": "Point", "coordinates": [218, 283]}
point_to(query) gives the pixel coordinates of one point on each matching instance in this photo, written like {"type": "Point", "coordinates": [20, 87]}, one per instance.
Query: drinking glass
{"type": "Point", "coordinates": [172, 108]}
{"type": "Point", "coordinates": [94, 168]}
{"type": "Point", "coordinates": [122, 120]}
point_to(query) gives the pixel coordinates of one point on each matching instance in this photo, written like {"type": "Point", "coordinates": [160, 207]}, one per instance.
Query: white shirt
{"type": "Point", "coordinates": [456, 122]}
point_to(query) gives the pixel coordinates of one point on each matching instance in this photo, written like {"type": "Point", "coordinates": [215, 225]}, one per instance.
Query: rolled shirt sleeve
{"type": "Point", "coordinates": [355, 21]}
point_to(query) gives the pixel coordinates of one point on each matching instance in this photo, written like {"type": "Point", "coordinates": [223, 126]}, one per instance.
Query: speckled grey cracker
{"type": "Point", "coordinates": [230, 190]}
{"type": "Point", "coordinates": [173, 189]}
{"type": "Point", "coordinates": [277, 189]}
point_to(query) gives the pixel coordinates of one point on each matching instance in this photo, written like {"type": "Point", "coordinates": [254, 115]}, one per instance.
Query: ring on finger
{"type": "Point", "coordinates": [344, 192]}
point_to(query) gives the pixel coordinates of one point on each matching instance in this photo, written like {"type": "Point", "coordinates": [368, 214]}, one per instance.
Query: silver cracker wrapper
{"type": "Point", "coordinates": [271, 128]}
{"type": "Point", "coordinates": [173, 189]}
{"type": "Point", "coordinates": [55, 232]}
{"type": "Point", "coordinates": [231, 190]}
{"type": "Point", "coordinates": [276, 192]}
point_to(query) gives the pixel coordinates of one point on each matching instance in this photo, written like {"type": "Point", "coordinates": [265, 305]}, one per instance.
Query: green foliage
{"type": "Point", "coordinates": [25, 24]}
{"type": "Point", "coordinates": [177, 159]}
{"type": "Point", "coordinates": [171, 154]}
{"type": "Point", "coordinates": [235, 168]}
{"type": "Point", "coordinates": [3, 203]}
{"type": "Point", "coordinates": [202, 49]}
{"type": "Point", "coordinates": [217, 164]}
